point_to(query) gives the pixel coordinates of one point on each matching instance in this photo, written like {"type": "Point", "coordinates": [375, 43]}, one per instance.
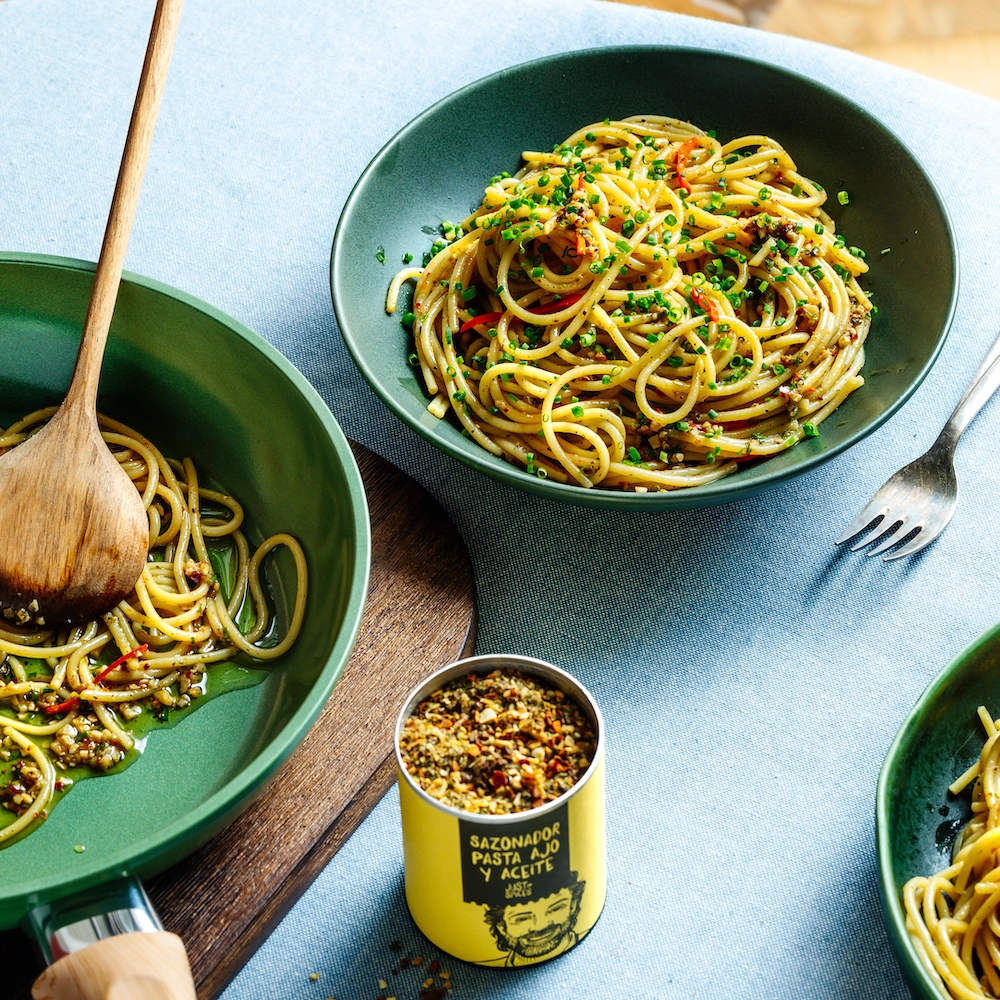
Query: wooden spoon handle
{"type": "Point", "coordinates": [139, 966]}
{"type": "Point", "coordinates": [83, 390]}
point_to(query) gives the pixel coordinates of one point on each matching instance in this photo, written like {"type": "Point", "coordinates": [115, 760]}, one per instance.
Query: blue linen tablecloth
{"type": "Point", "coordinates": [751, 678]}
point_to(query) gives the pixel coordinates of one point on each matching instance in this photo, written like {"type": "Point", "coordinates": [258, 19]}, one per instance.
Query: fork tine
{"type": "Point", "coordinates": [883, 528]}
{"type": "Point", "coordinates": [896, 537]}
{"type": "Point", "coordinates": [915, 544]}
{"type": "Point", "coordinates": [874, 509]}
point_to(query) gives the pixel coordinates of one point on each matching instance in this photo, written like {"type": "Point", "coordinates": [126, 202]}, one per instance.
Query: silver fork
{"type": "Point", "coordinates": [922, 496]}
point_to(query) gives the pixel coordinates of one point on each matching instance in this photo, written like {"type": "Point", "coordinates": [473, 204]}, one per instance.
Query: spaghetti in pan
{"type": "Point", "coordinates": [642, 308]}
{"type": "Point", "coordinates": [69, 695]}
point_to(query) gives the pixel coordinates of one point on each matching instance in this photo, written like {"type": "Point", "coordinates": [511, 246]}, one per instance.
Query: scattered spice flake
{"type": "Point", "coordinates": [417, 960]}
{"type": "Point", "coordinates": [497, 743]}
{"type": "Point", "coordinates": [435, 993]}
{"type": "Point", "coordinates": [314, 976]}
{"type": "Point", "coordinates": [382, 984]}
{"type": "Point", "coordinates": [395, 946]}
{"type": "Point", "coordinates": [404, 962]}
{"type": "Point", "coordinates": [434, 968]}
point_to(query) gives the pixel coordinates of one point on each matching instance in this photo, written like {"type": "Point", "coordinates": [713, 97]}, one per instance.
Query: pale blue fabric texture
{"type": "Point", "coordinates": [751, 678]}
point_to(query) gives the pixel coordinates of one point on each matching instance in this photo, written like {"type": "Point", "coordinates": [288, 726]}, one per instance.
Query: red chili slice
{"type": "Point", "coordinates": [483, 320]}
{"type": "Point", "coordinates": [552, 307]}
{"type": "Point", "coordinates": [549, 307]}
{"type": "Point", "coordinates": [121, 659]}
{"type": "Point", "coordinates": [683, 152]}
{"type": "Point", "coordinates": [706, 302]}
{"type": "Point", "coordinates": [65, 706]}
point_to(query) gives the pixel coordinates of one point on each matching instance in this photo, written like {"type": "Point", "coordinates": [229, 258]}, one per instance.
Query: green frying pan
{"type": "Point", "coordinates": [198, 384]}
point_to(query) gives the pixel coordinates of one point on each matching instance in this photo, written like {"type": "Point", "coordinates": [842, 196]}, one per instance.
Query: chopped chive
{"type": "Point", "coordinates": [810, 430]}
{"type": "Point", "coordinates": [843, 197]}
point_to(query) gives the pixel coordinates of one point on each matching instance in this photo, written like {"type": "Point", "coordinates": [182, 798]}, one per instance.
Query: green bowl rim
{"type": "Point", "coordinates": [722, 491]}
{"type": "Point", "coordinates": [892, 909]}
{"type": "Point", "coordinates": [253, 775]}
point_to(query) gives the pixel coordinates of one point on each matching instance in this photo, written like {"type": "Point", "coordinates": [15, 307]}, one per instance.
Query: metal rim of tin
{"type": "Point", "coordinates": [484, 663]}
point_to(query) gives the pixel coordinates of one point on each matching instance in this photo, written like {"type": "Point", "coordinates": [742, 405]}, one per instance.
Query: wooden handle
{"type": "Point", "coordinates": [142, 966]}
{"type": "Point", "coordinates": [83, 390]}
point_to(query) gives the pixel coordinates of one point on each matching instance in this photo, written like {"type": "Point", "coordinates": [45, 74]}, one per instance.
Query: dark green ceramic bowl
{"type": "Point", "coordinates": [198, 384]}
{"type": "Point", "coordinates": [916, 819]}
{"type": "Point", "coordinates": [437, 166]}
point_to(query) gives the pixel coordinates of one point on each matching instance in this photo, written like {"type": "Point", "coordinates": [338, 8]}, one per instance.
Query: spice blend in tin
{"type": "Point", "coordinates": [497, 743]}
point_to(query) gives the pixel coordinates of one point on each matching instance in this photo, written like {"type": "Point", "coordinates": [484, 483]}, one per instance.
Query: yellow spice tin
{"type": "Point", "coordinates": [514, 889]}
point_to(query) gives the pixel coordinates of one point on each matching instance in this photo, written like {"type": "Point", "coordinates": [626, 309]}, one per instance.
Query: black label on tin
{"type": "Point", "coordinates": [518, 861]}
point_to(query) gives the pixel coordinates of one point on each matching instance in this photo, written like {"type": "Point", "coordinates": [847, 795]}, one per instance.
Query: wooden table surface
{"type": "Point", "coordinates": [420, 615]}
{"type": "Point", "coordinates": [957, 41]}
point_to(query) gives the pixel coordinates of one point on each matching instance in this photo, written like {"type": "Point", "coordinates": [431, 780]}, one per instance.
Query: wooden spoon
{"type": "Point", "coordinates": [73, 532]}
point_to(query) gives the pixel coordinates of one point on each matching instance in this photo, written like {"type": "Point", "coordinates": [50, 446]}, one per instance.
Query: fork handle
{"type": "Point", "coordinates": [984, 384]}
{"type": "Point", "coordinates": [991, 355]}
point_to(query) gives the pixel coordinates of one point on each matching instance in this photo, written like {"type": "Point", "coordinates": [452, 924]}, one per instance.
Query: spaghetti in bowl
{"type": "Point", "coordinates": [664, 436]}
{"type": "Point", "coordinates": [642, 308]}
{"type": "Point", "coordinates": [937, 829]}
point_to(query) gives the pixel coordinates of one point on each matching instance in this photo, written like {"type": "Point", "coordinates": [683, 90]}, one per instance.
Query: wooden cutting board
{"type": "Point", "coordinates": [226, 898]}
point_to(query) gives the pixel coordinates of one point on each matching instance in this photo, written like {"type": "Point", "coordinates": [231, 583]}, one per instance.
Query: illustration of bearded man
{"type": "Point", "coordinates": [540, 928]}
